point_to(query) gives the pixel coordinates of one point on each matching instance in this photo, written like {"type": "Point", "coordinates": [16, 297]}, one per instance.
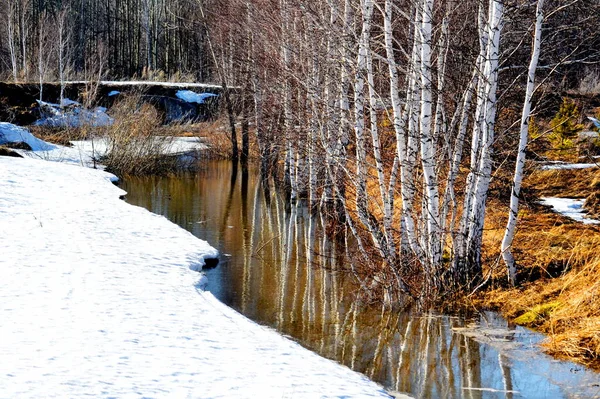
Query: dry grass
{"type": "Point", "coordinates": [134, 148]}
{"type": "Point", "coordinates": [569, 183]}
{"type": "Point", "coordinates": [217, 136]}
{"type": "Point", "coordinates": [559, 263]}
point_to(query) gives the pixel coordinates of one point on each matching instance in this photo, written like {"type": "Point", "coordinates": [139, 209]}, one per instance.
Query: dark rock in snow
{"type": "Point", "coordinates": [7, 152]}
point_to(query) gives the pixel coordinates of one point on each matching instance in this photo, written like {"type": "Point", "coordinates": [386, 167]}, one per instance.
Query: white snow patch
{"type": "Point", "coordinates": [75, 117]}
{"type": "Point", "coordinates": [68, 103]}
{"type": "Point", "coordinates": [97, 299]}
{"type": "Point", "coordinates": [10, 133]}
{"type": "Point", "coordinates": [553, 165]}
{"type": "Point", "coordinates": [87, 152]}
{"type": "Point", "coordinates": [192, 97]}
{"type": "Point", "coordinates": [569, 207]}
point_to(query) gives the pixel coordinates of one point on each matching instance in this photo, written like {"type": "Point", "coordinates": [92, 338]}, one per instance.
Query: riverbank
{"type": "Point", "coordinates": [557, 248]}
{"type": "Point", "coordinates": [98, 299]}
{"type": "Point", "coordinates": [268, 248]}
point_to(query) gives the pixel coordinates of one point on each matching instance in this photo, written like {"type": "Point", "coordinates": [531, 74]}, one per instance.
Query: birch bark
{"type": "Point", "coordinates": [509, 233]}
{"type": "Point", "coordinates": [431, 217]}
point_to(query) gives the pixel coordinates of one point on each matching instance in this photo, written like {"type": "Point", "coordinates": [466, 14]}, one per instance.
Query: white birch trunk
{"type": "Point", "coordinates": [455, 156]}
{"type": "Point", "coordinates": [485, 167]}
{"type": "Point", "coordinates": [383, 190]}
{"type": "Point", "coordinates": [440, 115]}
{"type": "Point", "coordinates": [359, 110]}
{"type": "Point", "coordinates": [476, 138]}
{"type": "Point", "coordinates": [10, 26]}
{"type": "Point", "coordinates": [359, 127]}
{"type": "Point", "coordinates": [431, 217]}
{"type": "Point", "coordinates": [509, 234]}
{"type": "Point", "coordinates": [411, 138]}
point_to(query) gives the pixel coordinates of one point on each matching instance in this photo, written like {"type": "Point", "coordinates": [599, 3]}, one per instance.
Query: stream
{"type": "Point", "coordinates": [280, 270]}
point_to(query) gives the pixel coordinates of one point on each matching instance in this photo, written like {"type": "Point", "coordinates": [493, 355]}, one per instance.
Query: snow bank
{"type": "Point", "coordinates": [569, 207]}
{"type": "Point", "coordinates": [192, 97]}
{"type": "Point", "coordinates": [98, 300]}
{"type": "Point", "coordinates": [10, 133]}
{"type": "Point", "coordinates": [87, 152]}
{"type": "Point", "coordinates": [56, 116]}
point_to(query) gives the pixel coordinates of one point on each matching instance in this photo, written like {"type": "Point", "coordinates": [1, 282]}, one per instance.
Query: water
{"type": "Point", "coordinates": [279, 269]}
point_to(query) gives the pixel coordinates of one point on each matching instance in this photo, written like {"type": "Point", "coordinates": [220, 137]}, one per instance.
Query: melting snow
{"type": "Point", "coordinates": [75, 117]}
{"type": "Point", "coordinates": [192, 97]}
{"type": "Point", "coordinates": [86, 151]}
{"type": "Point", "coordinates": [10, 133]}
{"type": "Point", "coordinates": [97, 299]}
{"type": "Point", "coordinates": [569, 207]}
{"type": "Point", "coordinates": [67, 103]}
{"type": "Point", "coordinates": [562, 165]}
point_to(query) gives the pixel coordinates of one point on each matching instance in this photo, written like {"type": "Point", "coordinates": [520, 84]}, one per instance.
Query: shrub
{"type": "Point", "coordinates": [132, 145]}
{"type": "Point", "coordinates": [564, 125]}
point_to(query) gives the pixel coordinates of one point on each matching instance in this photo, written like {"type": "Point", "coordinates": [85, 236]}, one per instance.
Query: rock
{"type": "Point", "coordinates": [7, 152]}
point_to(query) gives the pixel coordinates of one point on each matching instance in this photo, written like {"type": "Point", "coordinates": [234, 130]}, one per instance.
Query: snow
{"type": "Point", "coordinates": [85, 152]}
{"type": "Point", "coordinates": [554, 165]}
{"type": "Point", "coordinates": [118, 83]}
{"type": "Point", "coordinates": [67, 103]}
{"type": "Point", "coordinates": [10, 133]}
{"type": "Point", "coordinates": [76, 117]}
{"type": "Point", "coordinates": [192, 97]}
{"type": "Point", "coordinates": [114, 93]}
{"type": "Point", "coordinates": [99, 298]}
{"type": "Point", "coordinates": [569, 207]}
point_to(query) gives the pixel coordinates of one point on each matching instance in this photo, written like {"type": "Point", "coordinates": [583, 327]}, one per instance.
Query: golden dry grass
{"type": "Point", "coordinates": [560, 261]}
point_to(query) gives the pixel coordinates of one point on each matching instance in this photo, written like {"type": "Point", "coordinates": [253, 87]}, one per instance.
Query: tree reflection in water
{"type": "Point", "coordinates": [281, 270]}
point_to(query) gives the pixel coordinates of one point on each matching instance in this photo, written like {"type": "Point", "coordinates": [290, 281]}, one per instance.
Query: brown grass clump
{"type": "Point", "coordinates": [567, 183]}
{"type": "Point", "coordinates": [592, 204]}
{"type": "Point", "coordinates": [133, 146]}
{"type": "Point", "coordinates": [217, 135]}
{"type": "Point", "coordinates": [60, 136]}
{"type": "Point", "coordinates": [567, 307]}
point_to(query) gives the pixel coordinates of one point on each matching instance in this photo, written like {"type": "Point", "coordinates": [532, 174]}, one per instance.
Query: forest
{"type": "Point", "coordinates": [393, 116]}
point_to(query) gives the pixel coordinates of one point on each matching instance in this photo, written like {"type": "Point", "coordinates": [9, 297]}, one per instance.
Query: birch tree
{"type": "Point", "coordinates": [509, 233]}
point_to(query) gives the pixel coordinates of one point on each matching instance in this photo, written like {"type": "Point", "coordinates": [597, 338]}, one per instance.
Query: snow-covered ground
{"type": "Point", "coordinates": [553, 165]}
{"type": "Point", "coordinates": [118, 83]}
{"type": "Point", "coordinates": [569, 207]}
{"type": "Point", "coordinates": [84, 152]}
{"type": "Point", "coordinates": [98, 299]}
{"type": "Point", "coordinates": [72, 114]}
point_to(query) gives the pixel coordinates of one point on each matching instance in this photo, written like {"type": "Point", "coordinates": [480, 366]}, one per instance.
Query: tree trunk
{"type": "Point", "coordinates": [509, 234]}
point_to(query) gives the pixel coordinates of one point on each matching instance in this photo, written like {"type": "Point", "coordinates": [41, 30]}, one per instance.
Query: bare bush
{"type": "Point", "coordinates": [133, 148]}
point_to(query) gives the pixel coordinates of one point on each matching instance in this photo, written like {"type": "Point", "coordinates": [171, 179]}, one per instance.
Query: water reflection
{"type": "Point", "coordinates": [279, 269]}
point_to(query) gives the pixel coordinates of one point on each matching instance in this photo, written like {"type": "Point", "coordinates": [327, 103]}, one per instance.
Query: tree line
{"type": "Point", "coordinates": [133, 38]}
{"type": "Point", "coordinates": [390, 113]}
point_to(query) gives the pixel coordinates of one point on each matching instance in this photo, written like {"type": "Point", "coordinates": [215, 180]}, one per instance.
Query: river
{"type": "Point", "coordinates": [280, 270]}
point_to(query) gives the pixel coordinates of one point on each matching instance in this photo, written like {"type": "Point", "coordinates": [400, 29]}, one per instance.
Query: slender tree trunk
{"type": "Point", "coordinates": [509, 234]}
{"type": "Point", "coordinates": [477, 211]}
{"type": "Point", "coordinates": [10, 26]}
{"type": "Point", "coordinates": [431, 215]}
